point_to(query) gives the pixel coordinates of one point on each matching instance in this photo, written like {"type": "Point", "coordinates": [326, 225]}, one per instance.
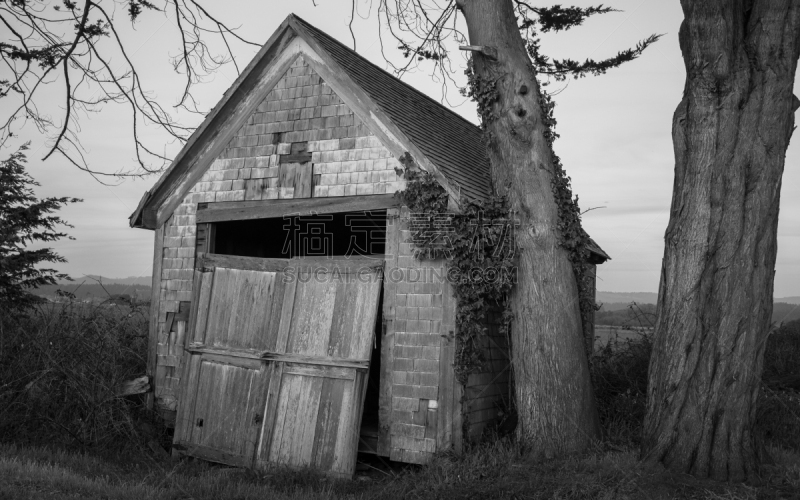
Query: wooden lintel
{"type": "Point", "coordinates": [266, 209]}
{"type": "Point", "coordinates": [490, 52]}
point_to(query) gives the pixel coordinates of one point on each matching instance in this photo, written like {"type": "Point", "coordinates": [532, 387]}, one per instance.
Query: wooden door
{"type": "Point", "coordinates": [321, 362]}
{"type": "Point", "coordinates": [291, 339]}
{"type": "Point", "coordinates": [234, 320]}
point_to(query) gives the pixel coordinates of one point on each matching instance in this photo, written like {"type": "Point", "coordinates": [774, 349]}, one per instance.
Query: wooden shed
{"type": "Point", "coordinates": [290, 321]}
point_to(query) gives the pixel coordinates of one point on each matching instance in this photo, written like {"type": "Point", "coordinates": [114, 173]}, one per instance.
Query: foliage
{"type": "Point", "coordinates": [619, 375]}
{"type": "Point", "coordinates": [480, 253]}
{"type": "Point", "coordinates": [558, 18]}
{"type": "Point", "coordinates": [635, 315]}
{"type": "Point", "coordinates": [484, 93]}
{"type": "Point", "coordinates": [60, 368]}
{"type": "Point", "coordinates": [422, 32]}
{"type": "Point", "coordinates": [572, 237]}
{"type": "Point", "coordinates": [24, 220]}
{"type": "Point", "coordinates": [782, 357]}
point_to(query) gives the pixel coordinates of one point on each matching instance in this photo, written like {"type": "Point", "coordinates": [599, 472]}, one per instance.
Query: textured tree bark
{"type": "Point", "coordinates": [555, 402]}
{"type": "Point", "coordinates": [730, 135]}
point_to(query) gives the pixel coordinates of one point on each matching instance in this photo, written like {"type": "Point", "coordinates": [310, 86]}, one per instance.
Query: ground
{"type": "Point", "coordinates": [495, 471]}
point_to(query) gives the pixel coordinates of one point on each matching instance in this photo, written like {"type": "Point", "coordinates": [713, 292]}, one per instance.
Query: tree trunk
{"type": "Point", "coordinates": [730, 135]}
{"type": "Point", "coordinates": [555, 402]}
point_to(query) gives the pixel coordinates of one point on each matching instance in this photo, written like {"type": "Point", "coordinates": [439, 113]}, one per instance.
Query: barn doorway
{"type": "Point", "coordinates": [335, 235]}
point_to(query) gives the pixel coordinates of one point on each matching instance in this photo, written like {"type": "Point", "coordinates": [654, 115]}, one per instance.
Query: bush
{"type": "Point", "coordinates": [782, 357]}
{"type": "Point", "coordinates": [778, 417]}
{"type": "Point", "coordinates": [619, 374]}
{"type": "Point", "coordinates": [60, 366]}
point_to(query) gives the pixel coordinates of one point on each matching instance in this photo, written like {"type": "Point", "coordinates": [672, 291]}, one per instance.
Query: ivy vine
{"type": "Point", "coordinates": [572, 237]}
{"type": "Point", "coordinates": [478, 244]}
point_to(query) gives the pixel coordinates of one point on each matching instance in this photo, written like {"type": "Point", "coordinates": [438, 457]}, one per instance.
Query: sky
{"type": "Point", "coordinates": [615, 132]}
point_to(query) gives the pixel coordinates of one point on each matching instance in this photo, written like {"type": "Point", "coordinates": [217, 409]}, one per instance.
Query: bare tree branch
{"type": "Point", "coordinates": [34, 42]}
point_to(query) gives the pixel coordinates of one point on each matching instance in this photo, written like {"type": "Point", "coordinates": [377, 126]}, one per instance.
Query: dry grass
{"type": "Point", "coordinates": [59, 368]}
{"type": "Point", "coordinates": [494, 471]}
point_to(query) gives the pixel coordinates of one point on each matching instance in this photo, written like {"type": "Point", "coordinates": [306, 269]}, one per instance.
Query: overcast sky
{"type": "Point", "coordinates": [615, 137]}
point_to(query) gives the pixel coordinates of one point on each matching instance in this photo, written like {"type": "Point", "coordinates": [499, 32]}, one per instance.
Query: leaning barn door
{"type": "Point", "coordinates": [295, 345]}
{"type": "Point", "coordinates": [321, 363]}
{"type": "Point", "coordinates": [235, 316]}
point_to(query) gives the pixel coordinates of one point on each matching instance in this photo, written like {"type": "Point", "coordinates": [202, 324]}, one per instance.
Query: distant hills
{"type": "Point", "coordinates": [652, 298]}
{"type": "Point", "coordinates": [130, 280]}
{"type": "Point", "coordinates": [99, 288]}
{"type": "Point", "coordinates": [783, 308]}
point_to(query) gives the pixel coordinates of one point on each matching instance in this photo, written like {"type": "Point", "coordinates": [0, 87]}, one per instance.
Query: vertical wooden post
{"type": "Point", "coordinates": [155, 299]}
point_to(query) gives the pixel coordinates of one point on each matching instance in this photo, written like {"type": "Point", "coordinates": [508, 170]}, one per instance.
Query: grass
{"type": "Point", "coordinates": [498, 470]}
{"type": "Point", "coordinates": [65, 434]}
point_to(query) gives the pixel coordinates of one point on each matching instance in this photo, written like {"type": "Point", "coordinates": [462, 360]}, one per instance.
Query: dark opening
{"type": "Point", "coordinates": [322, 235]}
{"type": "Point", "coordinates": [370, 418]}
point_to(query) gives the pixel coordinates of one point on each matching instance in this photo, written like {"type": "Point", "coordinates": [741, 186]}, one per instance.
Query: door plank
{"type": "Point", "coordinates": [287, 409]}
{"type": "Point", "coordinates": [347, 435]}
{"type": "Point", "coordinates": [202, 309]}
{"type": "Point", "coordinates": [303, 444]}
{"type": "Point", "coordinates": [286, 316]}
{"type": "Point", "coordinates": [270, 412]}
{"type": "Point", "coordinates": [311, 323]}
{"type": "Point", "coordinates": [327, 426]}
{"type": "Point", "coordinates": [186, 405]}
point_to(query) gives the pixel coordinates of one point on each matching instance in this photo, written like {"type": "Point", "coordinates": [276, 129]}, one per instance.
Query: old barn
{"type": "Point", "coordinates": [290, 321]}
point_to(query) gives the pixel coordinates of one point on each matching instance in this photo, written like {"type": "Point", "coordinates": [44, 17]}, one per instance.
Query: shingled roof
{"type": "Point", "coordinates": [452, 143]}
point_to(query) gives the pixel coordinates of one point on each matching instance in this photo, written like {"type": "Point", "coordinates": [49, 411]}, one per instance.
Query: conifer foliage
{"type": "Point", "coordinates": [26, 220]}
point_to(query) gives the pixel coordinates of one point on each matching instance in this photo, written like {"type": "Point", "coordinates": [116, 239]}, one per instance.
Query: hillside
{"type": "Point", "coordinates": [86, 291]}
{"type": "Point", "coordinates": [619, 313]}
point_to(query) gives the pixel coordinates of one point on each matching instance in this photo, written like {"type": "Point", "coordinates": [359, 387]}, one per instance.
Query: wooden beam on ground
{"type": "Point", "coordinates": [138, 385]}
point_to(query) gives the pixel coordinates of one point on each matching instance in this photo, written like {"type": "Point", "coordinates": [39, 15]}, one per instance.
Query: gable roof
{"type": "Point", "coordinates": [450, 143]}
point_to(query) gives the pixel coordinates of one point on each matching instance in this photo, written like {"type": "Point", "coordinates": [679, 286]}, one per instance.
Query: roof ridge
{"type": "Point", "coordinates": [411, 88]}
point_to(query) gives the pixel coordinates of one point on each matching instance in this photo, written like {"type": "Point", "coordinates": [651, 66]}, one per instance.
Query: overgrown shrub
{"type": "Point", "coordinates": [778, 417]}
{"type": "Point", "coordinates": [60, 368]}
{"type": "Point", "coordinates": [619, 374]}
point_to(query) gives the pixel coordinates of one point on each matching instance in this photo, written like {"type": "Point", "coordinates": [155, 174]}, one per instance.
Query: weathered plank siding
{"type": "Point", "coordinates": [347, 160]}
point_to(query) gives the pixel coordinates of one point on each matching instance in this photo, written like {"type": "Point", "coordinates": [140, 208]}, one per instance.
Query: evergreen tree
{"type": "Point", "coordinates": [26, 220]}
